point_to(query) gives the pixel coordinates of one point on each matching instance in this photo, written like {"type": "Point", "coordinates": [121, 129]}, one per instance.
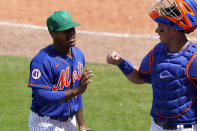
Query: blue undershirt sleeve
{"type": "Point", "coordinates": [46, 97]}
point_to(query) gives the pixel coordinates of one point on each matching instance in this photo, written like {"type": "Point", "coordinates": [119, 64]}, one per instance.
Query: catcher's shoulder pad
{"type": "Point", "coordinates": [192, 66]}
{"type": "Point", "coordinates": [146, 63]}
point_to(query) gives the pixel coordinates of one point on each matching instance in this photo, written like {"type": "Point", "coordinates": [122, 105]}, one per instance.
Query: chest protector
{"type": "Point", "coordinates": [174, 89]}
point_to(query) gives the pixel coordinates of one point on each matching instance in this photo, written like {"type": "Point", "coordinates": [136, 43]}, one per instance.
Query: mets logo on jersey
{"type": "Point", "coordinates": [65, 75]}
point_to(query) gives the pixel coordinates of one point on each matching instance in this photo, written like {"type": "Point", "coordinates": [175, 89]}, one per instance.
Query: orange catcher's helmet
{"type": "Point", "coordinates": [177, 14]}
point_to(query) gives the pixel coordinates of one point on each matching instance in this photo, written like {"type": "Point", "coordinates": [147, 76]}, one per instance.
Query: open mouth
{"type": "Point", "coordinates": [72, 39]}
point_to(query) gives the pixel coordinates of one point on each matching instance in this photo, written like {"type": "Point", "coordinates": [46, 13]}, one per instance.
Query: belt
{"type": "Point", "coordinates": [62, 119]}
{"type": "Point", "coordinates": [57, 118]}
{"type": "Point", "coordinates": [164, 125]}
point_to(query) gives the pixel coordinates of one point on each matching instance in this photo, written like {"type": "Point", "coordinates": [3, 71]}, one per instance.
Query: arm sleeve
{"type": "Point", "coordinates": [145, 67]}
{"type": "Point", "coordinates": [40, 76]}
{"type": "Point", "coordinates": [46, 97]}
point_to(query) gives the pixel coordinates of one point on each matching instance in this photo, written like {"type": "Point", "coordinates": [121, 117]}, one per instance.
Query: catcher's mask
{"type": "Point", "coordinates": [177, 14]}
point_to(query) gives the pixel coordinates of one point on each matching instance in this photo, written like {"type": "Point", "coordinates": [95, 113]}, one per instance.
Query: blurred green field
{"type": "Point", "coordinates": [111, 102]}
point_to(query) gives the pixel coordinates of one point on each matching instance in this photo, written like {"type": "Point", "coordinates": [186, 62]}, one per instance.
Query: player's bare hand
{"type": "Point", "coordinates": [84, 129]}
{"type": "Point", "coordinates": [84, 81]}
{"type": "Point", "coordinates": [114, 58]}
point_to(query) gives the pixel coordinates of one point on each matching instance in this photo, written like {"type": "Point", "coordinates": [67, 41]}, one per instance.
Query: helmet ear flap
{"type": "Point", "coordinates": [187, 9]}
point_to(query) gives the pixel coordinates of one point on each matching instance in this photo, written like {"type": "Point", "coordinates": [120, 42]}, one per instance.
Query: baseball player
{"type": "Point", "coordinates": [171, 67]}
{"type": "Point", "coordinates": [58, 79]}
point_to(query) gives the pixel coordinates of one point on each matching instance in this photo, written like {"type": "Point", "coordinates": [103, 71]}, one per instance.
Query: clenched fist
{"type": "Point", "coordinates": [114, 58]}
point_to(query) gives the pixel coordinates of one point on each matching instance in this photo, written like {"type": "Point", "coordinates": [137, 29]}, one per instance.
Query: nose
{"type": "Point", "coordinates": [72, 31]}
{"type": "Point", "coordinates": [157, 30]}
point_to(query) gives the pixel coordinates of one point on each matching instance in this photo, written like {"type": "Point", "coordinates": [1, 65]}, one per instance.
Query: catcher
{"type": "Point", "coordinates": [171, 67]}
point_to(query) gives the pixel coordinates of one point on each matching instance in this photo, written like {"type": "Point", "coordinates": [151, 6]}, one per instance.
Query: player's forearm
{"type": "Point", "coordinates": [71, 93]}
{"type": "Point", "coordinates": [80, 118]}
{"type": "Point", "coordinates": [134, 77]}
{"type": "Point", "coordinates": [130, 72]}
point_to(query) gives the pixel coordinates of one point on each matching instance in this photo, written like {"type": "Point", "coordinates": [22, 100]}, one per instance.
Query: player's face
{"type": "Point", "coordinates": [165, 33]}
{"type": "Point", "coordinates": [66, 38]}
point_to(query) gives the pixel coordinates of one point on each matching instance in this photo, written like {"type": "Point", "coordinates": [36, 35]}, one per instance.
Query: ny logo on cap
{"type": "Point", "coordinates": [65, 17]}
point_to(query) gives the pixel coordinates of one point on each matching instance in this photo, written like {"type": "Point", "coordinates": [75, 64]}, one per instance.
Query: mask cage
{"type": "Point", "coordinates": [167, 8]}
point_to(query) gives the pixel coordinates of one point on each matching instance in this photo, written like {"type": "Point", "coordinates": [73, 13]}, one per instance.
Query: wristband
{"type": "Point", "coordinates": [126, 67]}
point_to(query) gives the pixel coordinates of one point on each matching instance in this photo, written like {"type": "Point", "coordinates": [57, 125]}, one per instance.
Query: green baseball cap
{"type": "Point", "coordinates": [60, 21]}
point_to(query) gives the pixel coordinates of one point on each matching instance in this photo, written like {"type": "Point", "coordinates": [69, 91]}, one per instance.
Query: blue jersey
{"type": "Point", "coordinates": [51, 75]}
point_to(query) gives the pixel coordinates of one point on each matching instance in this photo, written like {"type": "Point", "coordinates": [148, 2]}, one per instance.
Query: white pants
{"type": "Point", "coordinates": [38, 123]}
{"type": "Point", "coordinates": [155, 127]}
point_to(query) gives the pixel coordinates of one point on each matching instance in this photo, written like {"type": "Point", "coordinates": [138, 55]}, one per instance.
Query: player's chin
{"type": "Point", "coordinates": [163, 42]}
{"type": "Point", "coordinates": [72, 41]}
